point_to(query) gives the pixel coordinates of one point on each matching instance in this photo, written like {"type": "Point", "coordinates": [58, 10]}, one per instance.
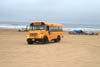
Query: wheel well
{"type": "Point", "coordinates": [46, 39]}
{"type": "Point", "coordinates": [45, 36]}
{"type": "Point", "coordinates": [58, 36]}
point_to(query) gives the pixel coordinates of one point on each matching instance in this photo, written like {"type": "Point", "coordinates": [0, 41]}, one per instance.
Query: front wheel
{"type": "Point", "coordinates": [29, 41]}
{"type": "Point", "coordinates": [45, 40]}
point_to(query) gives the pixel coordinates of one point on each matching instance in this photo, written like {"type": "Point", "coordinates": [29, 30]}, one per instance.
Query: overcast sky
{"type": "Point", "coordinates": [64, 11]}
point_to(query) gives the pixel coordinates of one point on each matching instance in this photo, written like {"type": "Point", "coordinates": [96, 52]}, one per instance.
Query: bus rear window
{"type": "Point", "coordinates": [37, 27]}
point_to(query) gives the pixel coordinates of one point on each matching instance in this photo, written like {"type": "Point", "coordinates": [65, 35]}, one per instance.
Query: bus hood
{"type": "Point", "coordinates": [36, 31]}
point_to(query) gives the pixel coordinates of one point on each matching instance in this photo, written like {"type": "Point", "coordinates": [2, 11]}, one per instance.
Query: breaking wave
{"type": "Point", "coordinates": [9, 26]}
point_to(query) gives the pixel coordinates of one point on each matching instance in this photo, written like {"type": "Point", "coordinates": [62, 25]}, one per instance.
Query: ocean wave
{"type": "Point", "coordinates": [7, 26]}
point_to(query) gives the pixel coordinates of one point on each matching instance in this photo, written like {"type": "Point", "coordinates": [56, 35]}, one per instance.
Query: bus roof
{"type": "Point", "coordinates": [54, 24]}
{"type": "Point", "coordinates": [49, 23]}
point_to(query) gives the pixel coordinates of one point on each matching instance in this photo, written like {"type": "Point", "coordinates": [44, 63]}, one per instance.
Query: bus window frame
{"type": "Point", "coordinates": [54, 28]}
{"type": "Point", "coordinates": [36, 29]}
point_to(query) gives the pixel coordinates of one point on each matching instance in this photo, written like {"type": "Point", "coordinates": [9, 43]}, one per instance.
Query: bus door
{"type": "Point", "coordinates": [50, 35]}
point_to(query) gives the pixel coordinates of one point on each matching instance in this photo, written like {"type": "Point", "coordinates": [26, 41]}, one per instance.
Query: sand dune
{"type": "Point", "coordinates": [72, 51]}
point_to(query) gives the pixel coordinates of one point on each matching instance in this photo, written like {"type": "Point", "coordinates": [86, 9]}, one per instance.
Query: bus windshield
{"type": "Point", "coordinates": [41, 27]}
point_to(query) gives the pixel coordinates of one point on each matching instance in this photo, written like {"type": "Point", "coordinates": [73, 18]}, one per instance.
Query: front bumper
{"type": "Point", "coordinates": [35, 40]}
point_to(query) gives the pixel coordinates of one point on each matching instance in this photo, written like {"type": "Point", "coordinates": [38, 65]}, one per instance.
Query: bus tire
{"type": "Point", "coordinates": [29, 41]}
{"type": "Point", "coordinates": [58, 39]}
{"type": "Point", "coordinates": [45, 40]}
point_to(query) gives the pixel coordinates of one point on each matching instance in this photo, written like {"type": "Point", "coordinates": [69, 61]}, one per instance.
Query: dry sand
{"type": "Point", "coordinates": [72, 51]}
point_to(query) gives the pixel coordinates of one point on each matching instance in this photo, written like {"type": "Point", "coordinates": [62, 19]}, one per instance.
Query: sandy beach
{"type": "Point", "coordinates": [72, 51]}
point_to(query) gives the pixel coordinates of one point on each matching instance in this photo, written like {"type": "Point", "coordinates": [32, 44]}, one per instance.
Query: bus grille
{"type": "Point", "coordinates": [33, 34]}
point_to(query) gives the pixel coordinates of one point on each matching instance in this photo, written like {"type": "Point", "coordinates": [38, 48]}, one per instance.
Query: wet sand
{"type": "Point", "coordinates": [72, 51]}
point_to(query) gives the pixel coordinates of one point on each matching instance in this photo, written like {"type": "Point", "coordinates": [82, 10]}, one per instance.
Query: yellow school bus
{"type": "Point", "coordinates": [44, 32]}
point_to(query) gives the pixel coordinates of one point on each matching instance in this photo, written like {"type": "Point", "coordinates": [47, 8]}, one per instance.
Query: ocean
{"type": "Point", "coordinates": [66, 26]}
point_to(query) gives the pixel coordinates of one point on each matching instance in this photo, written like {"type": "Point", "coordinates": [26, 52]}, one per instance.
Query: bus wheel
{"type": "Point", "coordinates": [58, 39]}
{"type": "Point", "coordinates": [45, 40]}
{"type": "Point", "coordinates": [29, 41]}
